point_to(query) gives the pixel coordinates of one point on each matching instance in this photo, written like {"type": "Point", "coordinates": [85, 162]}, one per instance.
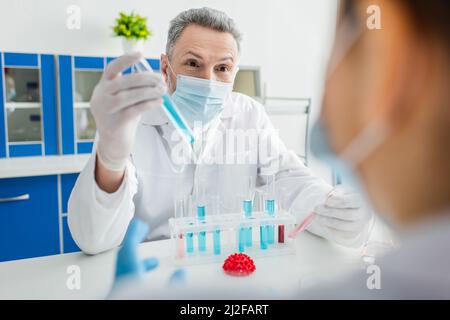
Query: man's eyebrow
{"type": "Point", "coordinates": [230, 57]}
{"type": "Point", "coordinates": [193, 54]}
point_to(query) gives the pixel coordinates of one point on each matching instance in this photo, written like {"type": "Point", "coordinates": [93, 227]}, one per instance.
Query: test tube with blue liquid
{"type": "Point", "coordinates": [201, 214]}
{"type": "Point", "coordinates": [214, 211]}
{"type": "Point", "coordinates": [269, 206]}
{"type": "Point", "coordinates": [246, 233]}
{"type": "Point", "coordinates": [172, 111]}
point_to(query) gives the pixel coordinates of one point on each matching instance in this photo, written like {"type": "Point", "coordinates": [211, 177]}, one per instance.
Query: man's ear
{"type": "Point", "coordinates": [164, 66]}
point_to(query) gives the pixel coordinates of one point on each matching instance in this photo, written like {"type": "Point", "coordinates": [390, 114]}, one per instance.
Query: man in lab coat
{"type": "Point", "coordinates": [140, 166]}
{"type": "Point", "coordinates": [394, 82]}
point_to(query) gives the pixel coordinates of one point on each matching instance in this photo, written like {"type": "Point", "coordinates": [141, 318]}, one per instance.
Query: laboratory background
{"type": "Point", "coordinates": [52, 55]}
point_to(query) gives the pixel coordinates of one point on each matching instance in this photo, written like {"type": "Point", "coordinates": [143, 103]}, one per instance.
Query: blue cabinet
{"type": "Point", "coordinates": [28, 121]}
{"type": "Point", "coordinates": [67, 184]}
{"type": "Point", "coordinates": [33, 216]}
{"type": "Point", "coordinates": [69, 244]}
{"type": "Point", "coordinates": [29, 224]}
{"type": "Point", "coordinates": [44, 103]}
{"type": "Point", "coordinates": [44, 110]}
{"type": "Point", "coordinates": [78, 77]}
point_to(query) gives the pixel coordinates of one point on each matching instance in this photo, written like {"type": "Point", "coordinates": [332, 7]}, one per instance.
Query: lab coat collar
{"type": "Point", "coordinates": [157, 116]}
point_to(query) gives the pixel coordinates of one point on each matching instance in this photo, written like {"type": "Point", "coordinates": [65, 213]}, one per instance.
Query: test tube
{"type": "Point", "coordinates": [201, 234]}
{"type": "Point", "coordinates": [281, 228]}
{"type": "Point", "coordinates": [201, 215]}
{"type": "Point", "coordinates": [263, 237]}
{"type": "Point", "coordinates": [248, 208]}
{"type": "Point", "coordinates": [214, 211]}
{"type": "Point", "coordinates": [270, 228]}
{"type": "Point", "coordinates": [169, 107]}
{"type": "Point", "coordinates": [179, 212]}
{"type": "Point", "coordinates": [249, 193]}
{"type": "Point", "coordinates": [184, 205]}
{"type": "Point", "coordinates": [183, 208]}
{"type": "Point", "coordinates": [241, 239]}
{"type": "Point", "coordinates": [269, 206]}
{"type": "Point", "coordinates": [281, 233]}
{"type": "Point", "coordinates": [190, 241]}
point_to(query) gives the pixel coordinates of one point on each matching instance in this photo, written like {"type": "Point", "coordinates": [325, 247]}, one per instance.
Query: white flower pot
{"type": "Point", "coordinates": [132, 45]}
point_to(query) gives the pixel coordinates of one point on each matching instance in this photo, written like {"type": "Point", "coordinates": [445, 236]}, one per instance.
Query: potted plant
{"type": "Point", "coordinates": [133, 30]}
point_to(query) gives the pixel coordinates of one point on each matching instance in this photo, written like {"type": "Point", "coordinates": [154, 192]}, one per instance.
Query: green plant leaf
{"type": "Point", "coordinates": [131, 26]}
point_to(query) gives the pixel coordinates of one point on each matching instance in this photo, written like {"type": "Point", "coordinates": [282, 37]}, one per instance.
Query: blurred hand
{"type": "Point", "coordinates": [128, 262]}
{"type": "Point", "coordinates": [130, 268]}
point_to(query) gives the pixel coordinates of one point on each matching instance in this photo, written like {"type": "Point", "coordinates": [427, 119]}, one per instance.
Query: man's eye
{"type": "Point", "coordinates": [192, 63]}
{"type": "Point", "coordinates": [223, 68]}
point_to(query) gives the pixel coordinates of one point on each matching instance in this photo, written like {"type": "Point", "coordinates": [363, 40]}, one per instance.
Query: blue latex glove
{"type": "Point", "coordinates": [128, 262]}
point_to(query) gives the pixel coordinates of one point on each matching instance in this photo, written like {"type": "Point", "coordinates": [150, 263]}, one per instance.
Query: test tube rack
{"type": "Point", "coordinates": [260, 235]}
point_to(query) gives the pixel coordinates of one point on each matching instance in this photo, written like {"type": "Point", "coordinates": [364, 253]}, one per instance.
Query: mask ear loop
{"type": "Point", "coordinates": [169, 66]}
{"type": "Point", "coordinates": [365, 143]}
{"type": "Point", "coordinates": [350, 34]}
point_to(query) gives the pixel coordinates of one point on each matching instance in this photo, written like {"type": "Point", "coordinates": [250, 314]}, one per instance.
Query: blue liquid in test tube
{"type": "Point", "coordinates": [248, 209]}
{"type": "Point", "coordinates": [202, 234]}
{"type": "Point", "coordinates": [201, 213]}
{"type": "Point", "coordinates": [270, 209]}
{"type": "Point", "coordinates": [263, 237]}
{"type": "Point", "coordinates": [216, 240]}
{"type": "Point", "coordinates": [241, 239]}
{"type": "Point", "coordinates": [169, 107]}
{"type": "Point", "coordinates": [189, 242]}
{"type": "Point", "coordinates": [202, 241]}
{"type": "Point", "coordinates": [249, 237]}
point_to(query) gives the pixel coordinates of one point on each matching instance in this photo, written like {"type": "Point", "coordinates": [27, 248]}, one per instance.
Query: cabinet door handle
{"type": "Point", "coordinates": [18, 198]}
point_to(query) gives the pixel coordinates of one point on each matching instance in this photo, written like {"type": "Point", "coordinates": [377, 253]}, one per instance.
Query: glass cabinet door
{"type": "Point", "coordinates": [85, 82]}
{"type": "Point", "coordinates": [23, 104]}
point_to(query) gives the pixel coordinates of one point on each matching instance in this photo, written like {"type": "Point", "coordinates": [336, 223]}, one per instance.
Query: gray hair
{"type": "Point", "coordinates": [205, 17]}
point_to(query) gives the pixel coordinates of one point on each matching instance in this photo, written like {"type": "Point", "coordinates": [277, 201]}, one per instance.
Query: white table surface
{"type": "Point", "coordinates": [45, 277]}
{"type": "Point", "coordinates": [39, 166]}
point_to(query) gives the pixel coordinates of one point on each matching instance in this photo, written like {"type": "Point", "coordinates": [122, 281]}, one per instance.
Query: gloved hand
{"type": "Point", "coordinates": [343, 218]}
{"type": "Point", "coordinates": [128, 264]}
{"type": "Point", "coordinates": [117, 103]}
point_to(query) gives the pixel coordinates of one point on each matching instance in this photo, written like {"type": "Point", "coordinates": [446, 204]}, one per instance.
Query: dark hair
{"type": "Point", "coordinates": [430, 17]}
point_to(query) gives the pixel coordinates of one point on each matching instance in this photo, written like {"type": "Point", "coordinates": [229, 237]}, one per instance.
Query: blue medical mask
{"type": "Point", "coordinates": [200, 100]}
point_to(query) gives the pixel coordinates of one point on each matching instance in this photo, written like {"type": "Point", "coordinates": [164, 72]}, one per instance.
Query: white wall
{"type": "Point", "coordinates": [288, 39]}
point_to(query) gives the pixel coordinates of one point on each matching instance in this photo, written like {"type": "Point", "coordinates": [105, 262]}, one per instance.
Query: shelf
{"type": "Point", "coordinates": [23, 105]}
{"type": "Point", "coordinates": [41, 166]}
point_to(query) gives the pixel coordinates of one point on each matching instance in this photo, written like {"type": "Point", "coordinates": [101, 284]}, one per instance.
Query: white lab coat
{"type": "Point", "coordinates": [98, 220]}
